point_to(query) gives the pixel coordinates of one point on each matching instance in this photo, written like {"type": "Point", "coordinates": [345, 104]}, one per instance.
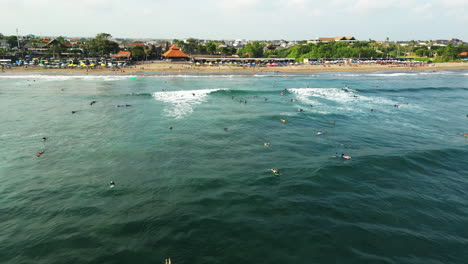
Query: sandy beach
{"type": "Point", "coordinates": [167, 67]}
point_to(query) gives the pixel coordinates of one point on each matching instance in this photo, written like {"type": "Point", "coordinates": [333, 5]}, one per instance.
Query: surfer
{"type": "Point", "coordinates": [276, 172]}
{"type": "Point", "coordinates": [44, 139]}
{"type": "Point", "coordinates": [372, 110]}
{"type": "Point", "coordinates": [40, 153]}
{"type": "Point", "coordinates": [266, 144]}
{"type": "Point", "coordinates": [283, 121]}
{"type": "Point", "coordinates": [74, 112]}
{"type": "Point", "coordinates": [93, 102]}
{"type": "Point", "coordinates": [170, 127]}
{"type": "Point", "coordinates": [321, 133]}
{"type": "Point", "coordinates": [300, 110]}
{"type": "Point", "coordinates": [293, 100]}
{"type": "Point", "coordinates": [342, 155]}
{"type": "Point", "coordinates": [112, 184]}
{"type": "Point", "coordinates": [266, 99]}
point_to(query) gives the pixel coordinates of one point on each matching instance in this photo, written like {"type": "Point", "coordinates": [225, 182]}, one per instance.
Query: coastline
{"type": "Point", "coordinates": [165, 68]}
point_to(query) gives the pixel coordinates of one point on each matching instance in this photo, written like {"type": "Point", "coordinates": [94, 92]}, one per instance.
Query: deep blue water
{"type": "Point", "coordinates": [203, 191]}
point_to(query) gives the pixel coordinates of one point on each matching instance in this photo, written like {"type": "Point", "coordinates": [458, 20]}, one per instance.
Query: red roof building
{"type": "Point", "coordinates": [175, 53]}
{"type": "Point", "coordinates": [122, 54]}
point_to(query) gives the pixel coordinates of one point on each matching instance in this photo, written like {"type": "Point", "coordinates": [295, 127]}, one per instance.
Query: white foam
{"type": "Point", "coordinates": [188, 76]}
{"type": "Point", "coordinates": [182, 102]}
{"type": "Point", "coordinates": [394, 74]}
{"type": "Point", "coordinates": [343, 100]}
{"type": "Point", "coordinates": [334, 94]}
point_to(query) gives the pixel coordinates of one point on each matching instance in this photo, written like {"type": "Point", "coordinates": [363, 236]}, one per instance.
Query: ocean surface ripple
{"type": "Point", "coordinates": [192, 174]}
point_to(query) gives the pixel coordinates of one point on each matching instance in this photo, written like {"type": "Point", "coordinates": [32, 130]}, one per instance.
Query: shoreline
{"type": "Point", "coordinates": [171, 68]}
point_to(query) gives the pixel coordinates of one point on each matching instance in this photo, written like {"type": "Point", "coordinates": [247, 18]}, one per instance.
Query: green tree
{"type": "Point", "coordinates": [449, 53]}
{"type": "Point", "coordinates": [138, 52]}
{"type": "Point", "coordinates": [12, 41]}
{"type": "Point", "coordinates": [211, 47]}
{"type": "Point", "coordinates": [253, 49]}
{"type": "Point", "coordinates": [102, 45]}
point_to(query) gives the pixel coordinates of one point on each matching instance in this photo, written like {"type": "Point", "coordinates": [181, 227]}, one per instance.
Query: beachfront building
{"type": "Point", "coordinates": [175, 54]}
{"type": "Point", "coordinates": [51, 47]}
{"type": "Point", "coordinates": [122, 55]}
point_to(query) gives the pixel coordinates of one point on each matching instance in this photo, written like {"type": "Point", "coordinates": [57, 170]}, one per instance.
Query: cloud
{"type": "Point", "coordinates": [240, 4]}
{"type": "Point", "coordinates": [424, 11]}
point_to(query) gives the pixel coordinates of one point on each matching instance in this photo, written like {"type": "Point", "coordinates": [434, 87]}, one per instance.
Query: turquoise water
{"type": "Point", "coordinates": [200, 194]}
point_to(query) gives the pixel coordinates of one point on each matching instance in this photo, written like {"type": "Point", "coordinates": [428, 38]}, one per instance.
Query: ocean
{"type": "Point", "coordinates": [193, 179]}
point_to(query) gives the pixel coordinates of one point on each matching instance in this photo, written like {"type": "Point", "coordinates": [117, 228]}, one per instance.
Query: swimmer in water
{"type": "Point", "coordinates": [283, 121]}
{"type": "Point", "coordinates": [372, 110]}
{"type": "Point", "coordinates": [396, 106]}
{"type": "Point", "coordinates": [193, 94]}
{"type": "Point", "coordinates": [93, 102]}
{"type": "Point", "coordinates": [44, 139]}
{"type": "Point", "coordinates": [266, 144]}
{"type": "Point", "coordinates": [276, 172]}
{"type": "Point", "coordinates": [226, 129]}
{"type": "Point", "coordinates": [40, 153]}
{"type": "Point", "coordinates": [170, 127]}
{"type": "Point", "coordinates": [74, 112]}
{"type": "Point", "coordinates": [266, 99]}
{"type": "Point", "coordinates": [300, 110]}
{"type": "Point", "coordinates": [112, 184]}
{"type": "Point", "coordinates": [293, 100]}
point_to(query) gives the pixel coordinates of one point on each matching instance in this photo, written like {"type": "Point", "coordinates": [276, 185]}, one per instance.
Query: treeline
{"type": "Point", "coordinates": [213, 47]}
{"type": "Point", "coordinates": [103, 45]}
{"type": "Point", "coordinates": [360, 49]}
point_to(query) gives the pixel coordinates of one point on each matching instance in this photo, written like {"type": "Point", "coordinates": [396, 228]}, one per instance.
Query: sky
{"type": "Point", "coordinates": [238, 19]}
